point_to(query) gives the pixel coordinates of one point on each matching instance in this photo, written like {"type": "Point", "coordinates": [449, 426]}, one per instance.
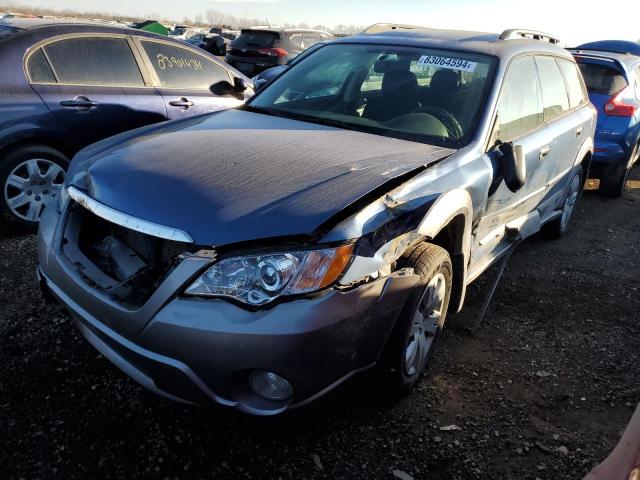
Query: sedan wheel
{"type": "Point", "coordinates": [31, 186]}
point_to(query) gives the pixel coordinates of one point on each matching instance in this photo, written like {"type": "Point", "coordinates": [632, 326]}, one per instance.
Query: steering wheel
{"type": "Point", "coordinates": [448, 120]}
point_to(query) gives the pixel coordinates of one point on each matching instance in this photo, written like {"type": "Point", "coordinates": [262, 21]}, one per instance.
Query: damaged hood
{"type": "Point", "coordinates": [239, 176]}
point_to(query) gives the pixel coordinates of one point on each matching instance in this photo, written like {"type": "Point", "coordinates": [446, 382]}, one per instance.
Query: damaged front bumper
{"type": "Point", "coordinates": [203, 351]}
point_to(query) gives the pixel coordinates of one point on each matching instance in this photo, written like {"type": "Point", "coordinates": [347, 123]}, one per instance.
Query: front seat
{"type": "Point", "coordinates": [443, 90]}
{"type": "Point", "coordinates": [398, 96]}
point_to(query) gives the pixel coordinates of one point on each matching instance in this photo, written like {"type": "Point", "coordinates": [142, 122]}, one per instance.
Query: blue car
{"type": "Point", "coordinates": [611, 70]}
{"type": "Point", "coordinates": [68, 84]}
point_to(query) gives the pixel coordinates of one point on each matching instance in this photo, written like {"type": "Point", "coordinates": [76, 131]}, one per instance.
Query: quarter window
{"type": "Point", "coordinates": [575, 85]}
{"type": "Point", "coordinates": [554, 93]}
{"type": "Point", "coordinates": [181, 68]}
{"type": "Point", "coordinates": [94, 61]}
{"type": "Point", "coordinates": [520, 106]}
{"type": "Point", "coordinates": [39, 69]}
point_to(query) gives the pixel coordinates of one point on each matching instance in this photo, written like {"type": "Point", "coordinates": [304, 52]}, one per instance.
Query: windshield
{"type": "Point", "coordinates": [418, 94]}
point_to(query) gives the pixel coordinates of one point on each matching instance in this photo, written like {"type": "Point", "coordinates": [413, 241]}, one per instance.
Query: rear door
{"type": "Point", "coordinates": [93, 85]}
{"type": "Point", "coordinates": [564, 122]}
{"type": "Point", "coordinates": [184, 77]}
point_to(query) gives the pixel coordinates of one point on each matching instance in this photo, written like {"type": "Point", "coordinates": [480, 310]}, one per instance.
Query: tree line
{"type": "Point", "coordinates": [208, 18]}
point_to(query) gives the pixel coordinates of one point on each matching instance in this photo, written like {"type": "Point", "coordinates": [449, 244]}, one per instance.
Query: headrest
{"type": "Point", "coordinates": [399, 80]}
{"type": "Point", "coordinates": [444, 80]}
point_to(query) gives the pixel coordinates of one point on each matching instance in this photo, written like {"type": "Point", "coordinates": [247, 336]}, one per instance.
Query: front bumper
{"type": "Point", "coordinates": [203, 351]}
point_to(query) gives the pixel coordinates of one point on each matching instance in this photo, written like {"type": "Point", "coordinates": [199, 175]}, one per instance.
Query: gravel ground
{"type": "Point", "coordinates": [543, 389]}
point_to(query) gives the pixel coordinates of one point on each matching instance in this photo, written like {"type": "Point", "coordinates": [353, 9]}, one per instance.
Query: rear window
{"type": "Point", "coordinates": [602, 79]}
{"type": "Point", "coordinates": [94, 61]}
{"type": "Point", "coordinates": [39, 69]}
{"type": "Point", "coordinates": [256, 39]}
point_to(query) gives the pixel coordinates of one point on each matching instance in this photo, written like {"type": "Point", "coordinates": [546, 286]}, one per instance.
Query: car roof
{"type": "Point", "coordinates": [505, 45]}
{"type": "Point", "coordinates": [285, 30]}
{"type": "Point", "coordinates": [612, 46]}
{"type": "Point", "coordinates": [28, 23]}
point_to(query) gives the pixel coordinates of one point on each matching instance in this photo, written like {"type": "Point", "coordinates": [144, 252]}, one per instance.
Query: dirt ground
{"type": "Point", "coordinates": [543, 389]}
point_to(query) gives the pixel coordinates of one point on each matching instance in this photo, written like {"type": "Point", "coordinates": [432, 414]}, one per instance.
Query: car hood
{"type": "Point", "coordinates": [239, 176]}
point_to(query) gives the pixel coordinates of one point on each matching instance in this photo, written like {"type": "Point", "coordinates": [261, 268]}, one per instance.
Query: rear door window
{"type": "Point", "coordinates": [575, 87]}
{"type": "Point", "coordinates": [98, 61]}
{"type": "Point", "coordinates": [178, 67]}
{"type": "Point", "coordinates": [554, 92]}
{"type": "Point", "coordinates": [520, 106]}
{"type": "Point", "coordinates": [39, 68]}
{"type": "Point", "coordinates": [602, 79]}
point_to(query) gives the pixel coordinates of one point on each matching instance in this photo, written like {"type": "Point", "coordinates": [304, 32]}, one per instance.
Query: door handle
{"type": "Point", "coordinates": [578, 131]}
{"type": "Point", "coordinates": [79, 103]}
{"type": "Point", "coordinates": [544, 151]}
{"type": "Point", "coordinates": [183, 103]}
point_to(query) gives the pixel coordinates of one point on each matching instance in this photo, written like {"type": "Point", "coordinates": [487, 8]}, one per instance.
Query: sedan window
{"type": "Point", "coordinates": [181, 68]}
{"type": "Point", "coordinates": [39, 68]}
{"type": "Point", "coordinates": [94, 61]}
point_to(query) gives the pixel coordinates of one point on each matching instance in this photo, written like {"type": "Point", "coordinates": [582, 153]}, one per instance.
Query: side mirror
{"type": "Point", "coordinates": [514, 166]}
{"type": "Point", "coordinates": [240, 84]}
{"type": "Point", "coordinates": [259, 83]}
{"type": "Point", "coordinates": [223, 87]}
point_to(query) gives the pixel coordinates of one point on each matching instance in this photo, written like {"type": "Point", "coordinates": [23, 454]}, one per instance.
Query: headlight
{"type": "Point", "coordinates": [260, 279]}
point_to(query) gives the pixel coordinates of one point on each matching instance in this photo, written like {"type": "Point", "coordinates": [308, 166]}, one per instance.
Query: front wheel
{"type": "Point", "coordinates": [31, 177]}
{"type": "Point", "coordinates": [412, 340]}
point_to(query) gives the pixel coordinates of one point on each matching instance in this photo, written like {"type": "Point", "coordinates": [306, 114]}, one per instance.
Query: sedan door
{"type": "Point", "coordinates": [184, 77]}
{"type": "Point", "coordinates": [93, 85]}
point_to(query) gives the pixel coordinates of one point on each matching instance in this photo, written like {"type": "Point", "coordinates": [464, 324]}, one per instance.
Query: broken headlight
{"type": "Point", "coordinates": [260, 279]}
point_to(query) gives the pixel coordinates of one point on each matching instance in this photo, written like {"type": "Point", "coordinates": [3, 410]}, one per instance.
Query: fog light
{"type": "Point", "coordinates": [270, 385]}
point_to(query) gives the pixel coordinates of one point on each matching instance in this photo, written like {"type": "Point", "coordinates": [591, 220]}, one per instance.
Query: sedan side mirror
{"type": "Point", "coordinates": [223, 87]}
{"type": "Point", "coordinates": [514, 166]}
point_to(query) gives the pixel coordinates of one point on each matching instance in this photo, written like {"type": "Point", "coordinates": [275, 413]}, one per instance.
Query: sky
{"type": "Point", "coordinates": [572, 20]}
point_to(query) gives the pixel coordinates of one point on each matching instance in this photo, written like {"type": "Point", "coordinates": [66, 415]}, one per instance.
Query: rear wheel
{"type": "Point", "coordinates": [612, 183]}
{"type": "Point", "coordinates": [558, 227]}
{"type": "Point", "coordinates": [412, 341]}
{"type": "Point", "coordinates": [31, 178]}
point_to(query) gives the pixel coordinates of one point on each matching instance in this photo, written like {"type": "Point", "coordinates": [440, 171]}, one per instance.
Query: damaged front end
{"type": "Point", "coordinates": [124, 264]}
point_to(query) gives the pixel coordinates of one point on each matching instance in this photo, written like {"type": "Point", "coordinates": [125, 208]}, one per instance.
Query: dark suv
{"type": "Point", "coordinates": [68, 84]}
{"type": "Point", "coordinates": [260, 257]}
{"type": "Point", "coordinates": [259, 48]}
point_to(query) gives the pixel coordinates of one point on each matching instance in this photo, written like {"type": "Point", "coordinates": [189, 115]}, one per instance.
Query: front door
{"type": "Point", "coordinates": [521, 121]}
{"type": "Point", "coordinates": [184, 78]}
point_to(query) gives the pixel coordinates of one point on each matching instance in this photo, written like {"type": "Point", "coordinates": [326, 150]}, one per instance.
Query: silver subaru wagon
{"type": "Point", "coordinates": [260, 257]}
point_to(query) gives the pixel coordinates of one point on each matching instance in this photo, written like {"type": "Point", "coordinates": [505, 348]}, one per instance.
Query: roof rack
{"type": "Point", "coordinates": [519, 33]}
{"type": "Point", "coordinates": [387, 27]}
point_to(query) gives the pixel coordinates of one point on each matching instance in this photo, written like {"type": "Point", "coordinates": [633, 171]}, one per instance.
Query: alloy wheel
{"type": "Point", "coordinates": [31, 186]}
{"type": "Point", "coordinates": [425, 325]}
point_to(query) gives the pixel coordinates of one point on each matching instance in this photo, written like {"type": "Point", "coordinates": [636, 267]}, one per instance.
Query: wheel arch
{"type": "Point", "coordinates": [448, 225]}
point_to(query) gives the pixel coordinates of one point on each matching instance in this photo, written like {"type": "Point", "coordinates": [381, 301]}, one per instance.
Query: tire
{"type": "Point", "coordinates": [558, 228]}
{"type": "Point", "coordinates": [30, 178]}
{"type": "Point", "coordinates": [612, 183]}
{"type": "Point", "coordinates": [414, 336]}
